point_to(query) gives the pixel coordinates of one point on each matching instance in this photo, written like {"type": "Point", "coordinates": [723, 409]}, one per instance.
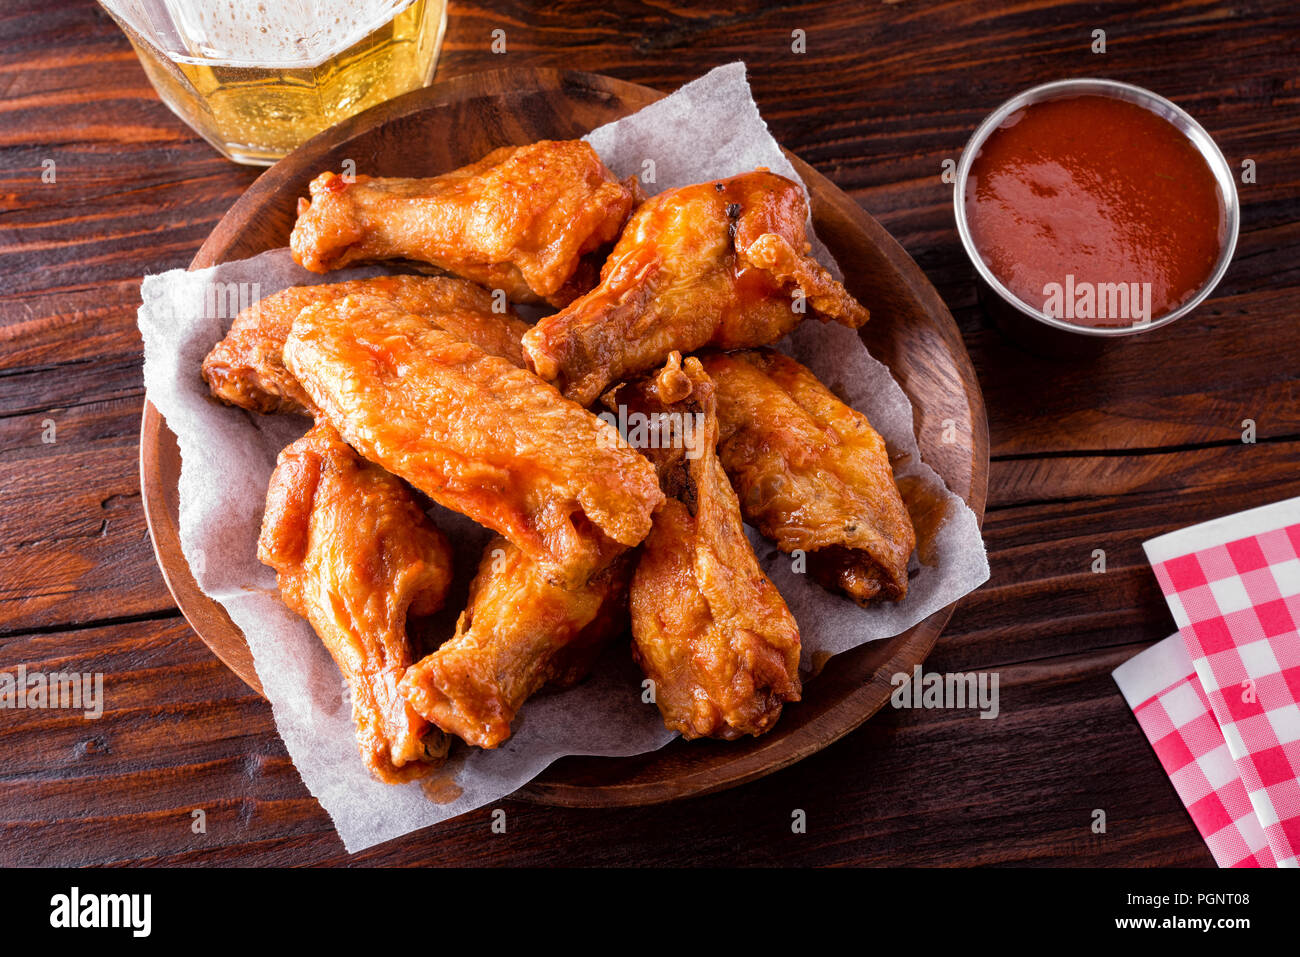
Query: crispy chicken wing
{"type": "Point", "coordinates": [812, 474]}
{"type": "Point", "coordinates": [720, 264]}
{"type": "Point", "coordinates": [708, 626]}
{"type": "Point", "coordinates": [247, 367]}
{"type": "Point", "coordinates": [475, 433]}
{"type": "Point", "coordinates": [354, 553]}
{"type": "Point", "coordinates": [519, 633]}
{"type": "Point", "coordinates": [520, 219]}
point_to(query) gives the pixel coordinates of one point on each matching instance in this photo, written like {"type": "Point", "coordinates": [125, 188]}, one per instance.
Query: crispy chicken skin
{"type": "Point", "coordinates": [521, 219]}
{"type": "Point", "coordinates": [812, 474]}
{"type": "Point", "coordinates": [354, 554]}
{"type": "Point", "coordinates": [708, 626]}
{"type": "Point", "coordinates": [246, 368]}
{"type": "Point", "coordinates": [475, 433]}
{"type": "Point", "coordinates": [717, 264]}
{"type": "Point", "coordinates": [519, 633]}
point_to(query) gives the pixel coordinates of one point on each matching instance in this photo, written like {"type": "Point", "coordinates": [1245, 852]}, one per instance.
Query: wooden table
{"type": "Point", "coordinates": [1087, 455]}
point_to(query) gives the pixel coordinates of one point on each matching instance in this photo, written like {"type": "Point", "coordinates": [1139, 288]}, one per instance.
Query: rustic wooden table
{"type": "Point", "coordinates": [1087, 455]}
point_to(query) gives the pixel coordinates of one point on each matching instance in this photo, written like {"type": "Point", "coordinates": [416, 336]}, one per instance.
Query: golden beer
{"type": "Point", "coordinates": [257, 79]}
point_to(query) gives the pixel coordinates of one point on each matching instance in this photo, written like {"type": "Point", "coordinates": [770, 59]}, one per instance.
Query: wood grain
{"type": "Point", "coordinates": [1085, 454]}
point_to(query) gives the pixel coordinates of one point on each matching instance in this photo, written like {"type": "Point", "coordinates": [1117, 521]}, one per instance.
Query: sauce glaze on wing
{"type": "Point", "coordinates": [521, 219]}
{"type": "Point", "coordinates": [353, 554]}
{"type": "Point", "coordinates": [475, 433]}
{"type": "Point", "coordinates": [708, 626]}
{"type": "Point", "coordinates": [246, 368]}
{"type": "Point", "coordinates": [812, 474]}
{"type": "Point", "coordinates": [722, 264]}
{"type": "Point", "coordinates": [519, 633]}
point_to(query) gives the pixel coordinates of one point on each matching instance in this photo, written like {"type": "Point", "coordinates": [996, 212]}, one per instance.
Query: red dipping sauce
{"type": "Point", "coordinates": [1073, 198]}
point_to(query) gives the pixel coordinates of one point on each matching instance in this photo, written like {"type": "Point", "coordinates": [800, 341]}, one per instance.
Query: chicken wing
{"type": "Point", "coordinates": [521, 219]}
{"type": "Point", "coordinates": [354, 554]}
{"type": "Point", "coordinates": [720, 264]}
{"type": "Point", "coordinates": [246, 368]}
{"type": "Point", "coordinates": [475, 433]}
{"type": "Point", "coordinates": [519, 633]}
{"type": "Point", "coordinates": [812, 474]}
{"type": "Point", "coordinates": [709, 628]}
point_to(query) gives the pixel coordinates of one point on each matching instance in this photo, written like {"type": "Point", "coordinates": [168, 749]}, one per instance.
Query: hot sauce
{"type": "Point", "coordinates": [1096, 210]}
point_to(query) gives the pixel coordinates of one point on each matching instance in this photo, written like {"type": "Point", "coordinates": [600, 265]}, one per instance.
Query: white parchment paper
{"type": "Point", "coordinates": [708, 129]}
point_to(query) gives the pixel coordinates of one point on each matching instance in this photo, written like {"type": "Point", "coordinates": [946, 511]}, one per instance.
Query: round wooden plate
{"type": "Point", "coordinates": [455, 122]}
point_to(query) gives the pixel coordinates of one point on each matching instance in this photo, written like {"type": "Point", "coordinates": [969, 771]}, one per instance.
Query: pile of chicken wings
{"type": "Point", "coordinates": [431, 387]}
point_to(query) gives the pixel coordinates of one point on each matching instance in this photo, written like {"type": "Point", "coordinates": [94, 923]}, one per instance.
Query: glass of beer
{"type": "Point", "coordinates": [255, 78]}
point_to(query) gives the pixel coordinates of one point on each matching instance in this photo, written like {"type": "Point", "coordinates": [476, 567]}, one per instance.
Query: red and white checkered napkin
{"type": "Point", "coordinates": [1233, 585]}
{"type": "Point", "coordinates": [1161, 687]}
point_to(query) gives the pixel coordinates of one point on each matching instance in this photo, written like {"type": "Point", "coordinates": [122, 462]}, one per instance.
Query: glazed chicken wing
{"type": "Point", "coordinates": [708, 626]}
{"type": "Point", "coordinates": [519, 633]}
{"type": "Point", "coordinates": [354, 554]}
{"type": "Point", "coordinates": [812, 474]}
{"type": "Point", "coordinates": [521, 219]}
{"type": "Point", "coordinates": [721, 264]}
{"type": "Point", "coordinates": [247, 369]}
{"type": "Point", "coordinates": [474, 432]}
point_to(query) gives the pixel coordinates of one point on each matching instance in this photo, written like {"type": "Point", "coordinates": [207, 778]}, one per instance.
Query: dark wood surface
{"type": "Point", "coordinates": [1089, 454]}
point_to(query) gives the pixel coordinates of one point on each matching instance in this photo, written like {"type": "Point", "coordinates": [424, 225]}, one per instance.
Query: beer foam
{"type": "Point", "coordinates": [300, 33]}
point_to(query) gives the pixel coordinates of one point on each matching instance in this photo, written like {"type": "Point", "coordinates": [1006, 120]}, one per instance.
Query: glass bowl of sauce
{"type": "Point", "coordinates": [1096, 208]}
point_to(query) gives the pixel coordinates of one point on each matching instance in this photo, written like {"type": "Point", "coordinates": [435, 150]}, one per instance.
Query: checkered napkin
{"type": "Point", "coordinates": [1161, 687]}
{"type": "Point", "coordinates": [1233, 585]}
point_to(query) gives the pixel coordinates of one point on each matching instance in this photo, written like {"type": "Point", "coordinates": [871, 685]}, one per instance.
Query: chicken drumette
{"type": "Point", "coordinates": [519, 633]}
{"type": "Point", "coordinates": [721, 264]}
{"type": "Point", "coordinates": [521, 219]}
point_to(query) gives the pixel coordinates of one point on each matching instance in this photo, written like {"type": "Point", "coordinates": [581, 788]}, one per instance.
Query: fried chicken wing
{"type": "Point", "coordinates": [721, 264]}
{"type": "Point", "coordinates": [247, 369]}
{"type": "Point", "coordinates": [354, 554]}
{"type": "Point", "coordinates": [708, 626]}
{"type": "Point", "coordinates": [519, 633]}
{"type": "Point", "coordinates": [475, 433]}
{"type": "Point", "coordinates": [521, 219]}
{"type": "Point", "coordinates": [812, 474]}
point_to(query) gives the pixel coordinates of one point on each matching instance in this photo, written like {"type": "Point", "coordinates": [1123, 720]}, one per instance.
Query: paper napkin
{"type": "Point", "coordinates": [1233, 586]}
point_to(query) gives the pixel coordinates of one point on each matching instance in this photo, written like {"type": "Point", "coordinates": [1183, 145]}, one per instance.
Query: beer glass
{"type": "Point", "coordinates": [255, 79]}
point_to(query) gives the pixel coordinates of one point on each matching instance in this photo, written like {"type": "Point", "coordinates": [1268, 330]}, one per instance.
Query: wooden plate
{"type": "Point", "coordinates": [455, 122]}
